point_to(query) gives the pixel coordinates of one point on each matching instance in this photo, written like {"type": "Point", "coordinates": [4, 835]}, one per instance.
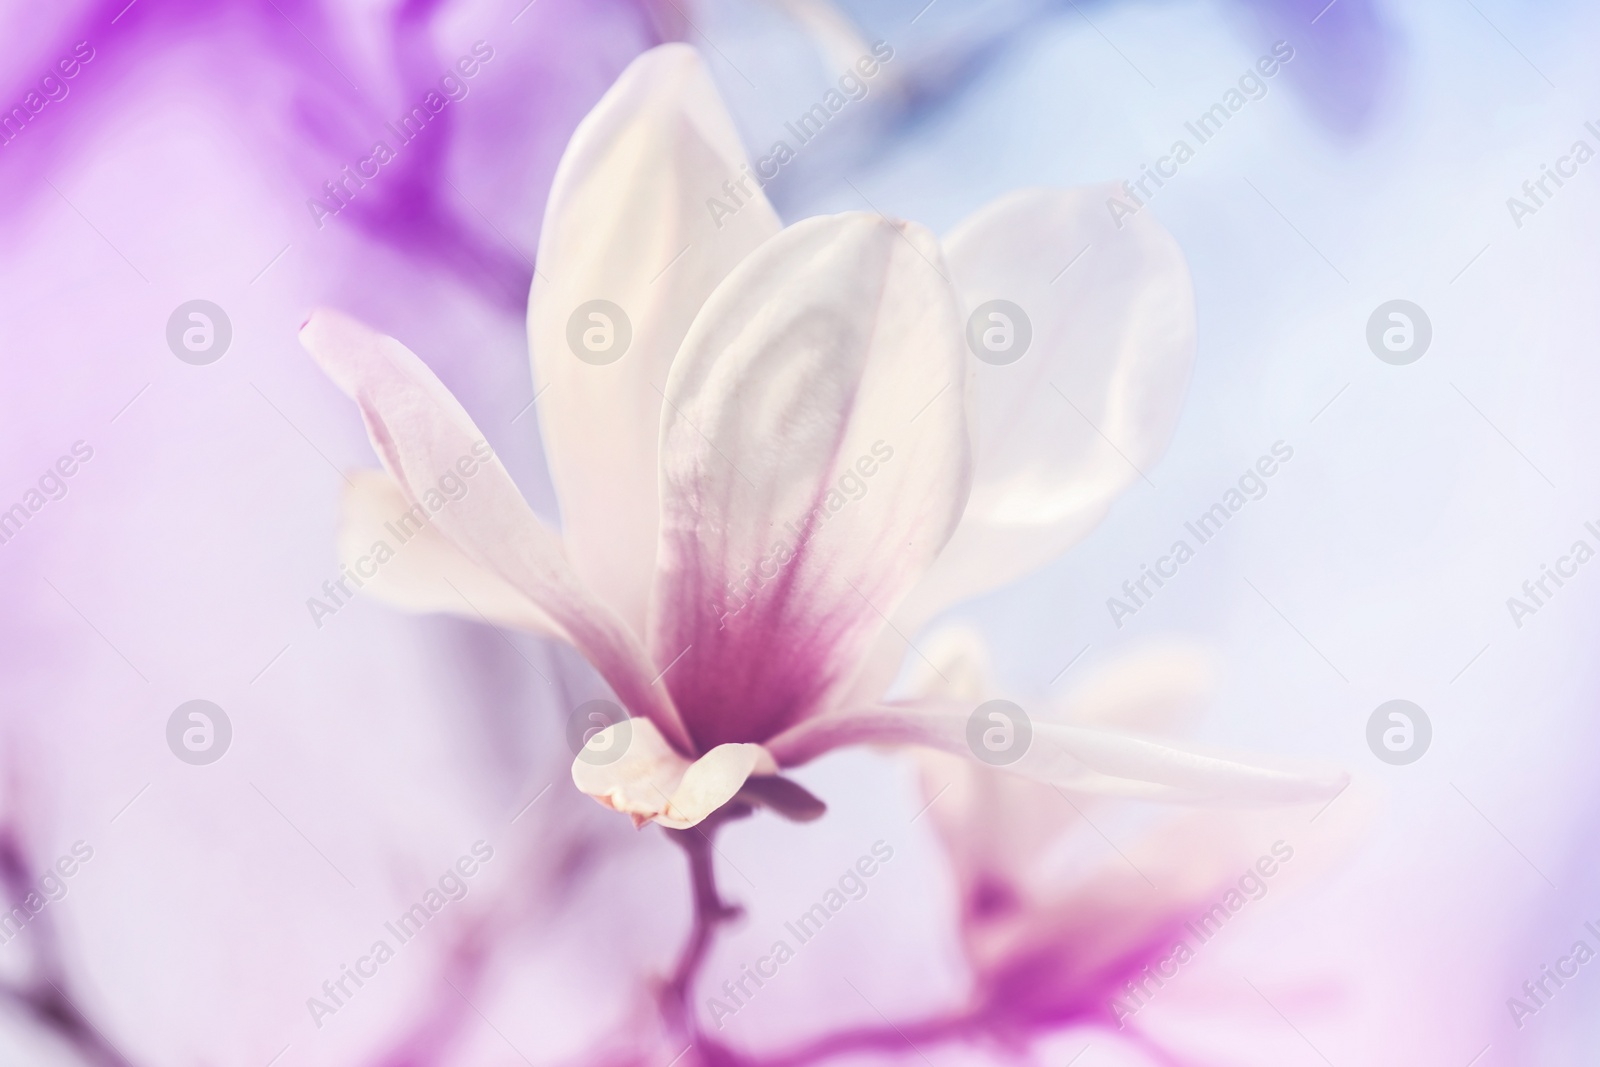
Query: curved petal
{"type": "Point", "coordinates": [631, 221]}
{"type": "Point", "coordinates": [1069, 757]}
{"type": "Point", "coordinates": [418, 569]}
{"type": "Point", "coordinates": [653, 783]}
{"type": "Point", "coordinates": [1051, 936]}
{"type": "Point", "coordinates": [429, 445]}
{"type": "Point", "coordinates": [1074, 939]}
{"type": "Point", "coordinates": [814, 461]}
{"type": "Point", "coordinates": [1093, 400]}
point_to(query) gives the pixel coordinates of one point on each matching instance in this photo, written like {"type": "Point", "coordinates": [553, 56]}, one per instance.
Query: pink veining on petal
{"type": "Point", "coordinates": [780, 553]}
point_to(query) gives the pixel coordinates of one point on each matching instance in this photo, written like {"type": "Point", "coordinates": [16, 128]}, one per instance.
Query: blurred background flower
{"type": "Point", "coordinates": [365, 761]}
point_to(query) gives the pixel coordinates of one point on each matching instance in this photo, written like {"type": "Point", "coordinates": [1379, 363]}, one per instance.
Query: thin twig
{"type": "Point", "coordinates": [710, 912]}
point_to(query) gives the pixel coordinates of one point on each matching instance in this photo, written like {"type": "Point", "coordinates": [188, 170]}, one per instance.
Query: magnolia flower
{"type": "Point", "coordinates": [777, 456]}
{"type": "Point", "coordinates": [1056, 927]}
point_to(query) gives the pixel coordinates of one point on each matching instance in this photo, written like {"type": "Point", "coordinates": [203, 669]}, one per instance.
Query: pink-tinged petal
{"type": "Point", "coordinates": [1052, 938]}
{"type": "Point", "coordinates": [814, 460]}
{"type": "Point", "coordinates": [1091, 403]}
{"type": "Point", "coordinates": [423, 436]}
{"type": "Point", "coordinates": [630, 221]}
{"type": "Point", "coordinates": [414, 567]}
{"type": "Point", "coordinates": [653, 783]}
{"type": "Point", "coordinates": [1068, 757]}
{"type": "Point", "coordinates": [1063, 943]}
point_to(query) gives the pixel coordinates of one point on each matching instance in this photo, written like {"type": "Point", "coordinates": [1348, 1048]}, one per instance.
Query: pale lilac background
{"type": "Point", "coordinates": [192, 538]}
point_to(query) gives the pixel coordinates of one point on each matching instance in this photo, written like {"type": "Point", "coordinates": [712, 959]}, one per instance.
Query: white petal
{"type": "Point", "coordinates": [629, 222]}
{"type": "Point", "coordinates": [1091, 403]}
{"type": "Point", "coordinates": [1069, 757]}
{"type": "Point", "coordinates": [426, 573]}
{"type": "Point", "coordinates": [653, 783]}
{"type": "Point", "coordinates": [441, 462]}
{"type": "Point", "coordinates": [814, 462]}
